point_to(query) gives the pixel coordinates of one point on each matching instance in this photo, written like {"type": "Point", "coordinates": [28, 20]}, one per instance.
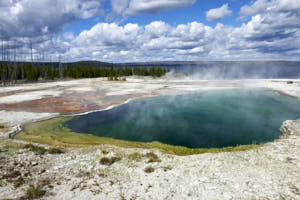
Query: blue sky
{"type": "Point", "coordinates": [195, 12]}
{"type": "Point", "coordinates": [181, 15]}
{"type": "Point", "coordinates": [152, 30]}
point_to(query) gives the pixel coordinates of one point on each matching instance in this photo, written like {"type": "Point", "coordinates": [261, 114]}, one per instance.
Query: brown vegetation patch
{"type": "Point", "coordinates": [152, 157]}
{"type": "Point", "coordinates": [109, 161]}
{"type": "Point", "coordinates": [149, 169]}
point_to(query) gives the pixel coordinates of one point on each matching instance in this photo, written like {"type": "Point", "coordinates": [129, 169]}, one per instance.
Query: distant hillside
{"type": "Point", "coordinates": [92, 64]}
{"type": "Point", "coordinates": [79, 63]}
{"type": "Point", "coordinates": [168, 64]}
{"type": "Point", "coordinates": [201, 63]}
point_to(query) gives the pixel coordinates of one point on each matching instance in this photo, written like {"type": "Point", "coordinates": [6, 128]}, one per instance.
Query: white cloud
{"type": "Point", "coordinates": [69, 36]}
{"type": "Point", "coordinates": [155, 6]}
{"type": "Point", "coordinates": [32, 18]}
{"type": "Point", "coordinates": [118, 7]}
{"type": "Point", "coordinates": [257, 7]}
{"type": "Point", "coordinates": [272, 32]}
{"type": "Point", "coordinates": [45, 29]}
{"type": "Point", "coordinates": [218, 13]}
{"type": "Point", "coordinates": [157, 29]}
{"type": "Point", "coordinates": [265, 6]}
{"type": "Point", "coordinates": [134, 7]}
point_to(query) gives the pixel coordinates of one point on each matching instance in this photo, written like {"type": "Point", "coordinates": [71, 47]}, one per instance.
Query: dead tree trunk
{"type": "Point", "coordinates": [3, 64]}
{"type": "Point", "coordinates": [14, 75]}
{"type": "Point", "coordinates": [60, 68]}
{"type": "Point", "coordinates": [31, 53]}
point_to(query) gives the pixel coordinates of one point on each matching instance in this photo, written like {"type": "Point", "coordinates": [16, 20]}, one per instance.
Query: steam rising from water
{"type": "Point", "coordinates": [208, 119]}
{"type": "Point", "coordinates": [238, 70]}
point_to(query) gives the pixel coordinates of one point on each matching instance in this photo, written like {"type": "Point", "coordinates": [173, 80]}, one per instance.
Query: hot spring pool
{"type": "Point", "coordinates": [208, 119]}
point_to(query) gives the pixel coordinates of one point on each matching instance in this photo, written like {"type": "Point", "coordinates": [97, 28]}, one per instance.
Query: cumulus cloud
{"type": "Point", "coordinates": [218, 13]}
{"type": "Point", "coordinates": [118, 8]}
{"type": "Point", "coordinates": [257, 7]}
{"type": "Point", "coordinates": [155, 6]}
{"type": "Point", "coordinates": [32, 18]}
{"type": "Point", "coordinates": [69, 36]}
{"type": "Point", "coordinates": [271, 32]}
{"type": "Point", "coordinates": [134, 7]}
{"type": "Point", "coordinates": [109, 35]}
{"type": "Point", "coordinates": [261, 6]}
{"type": "Point", "coordinates": [272, 21]}
{"type": "Point", "coordinates": [157, 29]}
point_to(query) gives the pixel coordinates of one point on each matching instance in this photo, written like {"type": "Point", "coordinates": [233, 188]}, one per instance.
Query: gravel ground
{"type": "Point", "coordinates": [108, 172]}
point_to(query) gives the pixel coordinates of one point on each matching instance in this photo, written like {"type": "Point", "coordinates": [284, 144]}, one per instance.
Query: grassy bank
{"type": "Point", "coordinates": [53, 132]}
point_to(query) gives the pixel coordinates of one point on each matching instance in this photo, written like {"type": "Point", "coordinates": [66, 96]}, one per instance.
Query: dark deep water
{"type": "Point", "coordinates": [208, 119]}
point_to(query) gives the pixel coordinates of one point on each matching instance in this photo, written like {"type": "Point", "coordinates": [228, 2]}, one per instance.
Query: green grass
{"type": "Point", "coordinates": [152, 157]}
{"type": "Point", "coordinates": [149, 169]}
{"type": "Point", "coordinates": [34, 192]}
{"type": "Point", "coordinates": [52, 132]}
{"type": "Point", "coordinates": [42, 150]}
{"type": "Point", "coordinates": [135, 156]}
{"type": "Point", "coordinates": [109, 161]}
{"type": "Point", "coordinates": [36, 149]}
{"type": "Point", "coordinates": [55, 151]}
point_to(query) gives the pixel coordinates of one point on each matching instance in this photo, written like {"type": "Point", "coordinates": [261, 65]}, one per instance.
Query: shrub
{"type": "Point", "coordinates": [105, 161]}
{"type": "Point", "coordinates": [13, 174]}
{"type": "Point", "coordinates": [2, 126]}
{"type": "Point", "coordinates": [19, 182]}
{"type": "Point", "coordinates": [38, 150]}
{"type": "Point", "coordinates": [105, 152]}
{"type": "Point", "coordinates": [55, 151]}
{"type": "Point", "coordinates": [135, 156]}
{"type": "Point", "coordinates": [35, 192]}
{"type": "Point", "coordinates": [167, 168]}
{"type": "Point", "coordinates": [28, 146]}
{"type": "Point", "coordinates": [149, 169]}
{"type": "Point", "coordinates": [109, 161]}
{"type": "Point", "coordinates": [152, 157]}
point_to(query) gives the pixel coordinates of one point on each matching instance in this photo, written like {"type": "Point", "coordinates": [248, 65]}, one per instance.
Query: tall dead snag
{"type": "Point", "coordinates": [14, 74]}
{"type": "Point", "coordinates": [8, 63]}
{"type": "Point", "coordinates": [52, 68]}
{"type": "Point", "coordinates": [3, 64]}
{"type": "Point", "coordinates": [31, 53]}
{"type": "Point", "coordinates": [2, 51]}
{"type": "Point", "coordinates": [60, 68]}
{"type": "Point", "coordinates": [2, 61]}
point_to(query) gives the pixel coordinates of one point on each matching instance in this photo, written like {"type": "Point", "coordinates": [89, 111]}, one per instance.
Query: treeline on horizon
{"type": "Point", "coordinates": [22, 71]}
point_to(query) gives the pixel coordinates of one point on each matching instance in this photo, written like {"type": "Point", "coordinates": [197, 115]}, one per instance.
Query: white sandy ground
{"type": "Point", "coordinates": [14, 119]}
{"type": "Point", "coordinates": [136, 85]}
{"type": "Point", "coordinates": [270, 172]}
{"type": "Point", "coordinates": [29, 96]}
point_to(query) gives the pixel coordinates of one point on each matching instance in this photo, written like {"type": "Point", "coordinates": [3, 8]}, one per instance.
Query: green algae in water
{"type": "Point", "coordinates": [208, 119]}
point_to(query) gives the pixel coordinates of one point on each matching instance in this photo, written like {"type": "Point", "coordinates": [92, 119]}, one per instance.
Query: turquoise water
{"type": "Point", "coordinates": [207, 119]}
